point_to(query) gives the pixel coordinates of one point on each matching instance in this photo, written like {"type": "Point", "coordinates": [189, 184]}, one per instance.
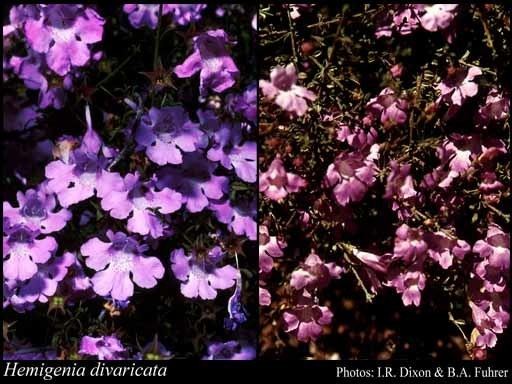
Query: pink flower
{"type": "Point", "coordinates": [306, 319]}
{"type": "Point", "coordinates": [391, 109]}
{"type": "Point", "coordinates": [356, 137]}
{"type": "Point", "coordinates": [351, 174]}
{"type": "Point", "coordinates": [314, 274]}
{"type": "Point", "coordinates": [458, 85]}
{"type": "Point", "coordinates": [410, 285]}
{"type": "Point", "coordinates": [264, 297]}
{"type": "Point", "coordinates": [396, 70]}
{"type": "Point", "coordinates": [496, 108]}
{"type": "Point", "coordinates": [442, 248]}
{"type": "Point", "coordinates": [410, 244]}
{"type": "Point", "coordinates": [400, 188]}
{"type": "Point", "coordinates": [276, 183]}
{"type": "Point", "coordinates": [489, 321]}
{"type": "Point", "coordinates": [269, 248]}
{"type": "Point", "coordinates": [287, 94]}
{"type": "Point", "coordinates": [375, 262]}
{"type": "Point", "coordinates": [495, 248]}
{"type": "Point", "coordinates": [438, 16]}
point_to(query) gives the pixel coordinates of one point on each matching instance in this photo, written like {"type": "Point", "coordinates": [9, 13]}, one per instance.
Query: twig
{"type": "Point", "coordinates": [292, 36]}
{"type": "Point", "coordinates": [114, 72]}
{"type": "Point", "coordinates": [473, 65]}
{"type": "Point", "coordinates": [157, 42]}
{"type": "Point", "coordinates": [487, 32]}
{"type": "Point", "coordinates": [501, 214]}
{"type": "Point", "coordinates": [369, 296]}
{"type": "Point", "coordinates": [452, 319]}
{"type": "Point", "coordinates": [324, 23]}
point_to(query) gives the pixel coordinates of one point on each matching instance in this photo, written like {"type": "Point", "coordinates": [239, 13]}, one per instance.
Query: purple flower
{"type": "Point", "coordinates": [23, 251]}
{"type": "Point", "coordinates": [442, 248]}
{"type": "Point", "coordinates": [410, 244]}
{"type": "Point", "coordinates": [287, 94]}
{"type": "Point", "coordinates": [489, 321]}
{"type": "Point", "coordinates": [269, 248]}
{"type": "Point", "coordinates": [357, 137]}
{"type": "Point", "coordinates": [437, 16]}
{"type": "Point", "coordinates": [409, 284]}
{"type": "Point", "coordinates": [195, 180]}
{"type": "Point", "coordinates": [458, 152]}
{"type": "Point", "coordinates": [84, 173]}
{"type": "Point", "coordinates": [244, 103]}
{"type": "Point", "coordinates": [18, 118]}
{"type": "Point", "coordinates": [306, 319]}
{"type": "Point", "coordinates": [200, 275]}
{"type": "Point", "coordinates": [184, 14]}
{"type": "Point", "coordinates": [144, 15]}
{"type": "Point", "coordinates": [400, 18]}
{"type": "Point", "coordinates": [231, 350]}
{"type": "Point", "coordinates": [227, 150]}
{"type": "Point", "coordinates": [496, 108]}
{"type": "Point", "coordinates": [400, 188]}
{"type": "Point", "coordinates": [276, 183]}
{"type": "Point", "coordinates": [495, 248]}
{"type": "Point", "coordinates": [37, 210]}
{"type": "Point", "coordinates": [165, 133]}
{"type": "Point", "coordinates": [351, 174]}
{"type": "Point", "coordinates": [103, 347]}
{"type": "Point", "coordinates": [32, 69]}
{"type": "Point", "coordinates": [140, 200]}
{"type": "Point", "coordinates": [43, 284]}
{"type": "Point", "coordinates": [240, 217]}
{"type": "Point", "coordinates": [120, 263]}
{"type": "Point", "coordinates": [388, 107]}
{"type": "Point", "coordinates": [458, 85]}
{"type": "Point", "coordinates": [237, 314]}
{"type": "Point", "coordinates": [63, 33]}
{"type": "Point", "coordinates": [314, 274]}
{"type": "Point", "coordinates": [218, 70]}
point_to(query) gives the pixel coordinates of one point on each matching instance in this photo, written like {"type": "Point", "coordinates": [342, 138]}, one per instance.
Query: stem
{"type": "Point", "coordinates": [114, 72]}
{"type": "Point", "coordinates": [292, 36]}
{"type": "Point", "coordinates": [452, 319]}
{"type": "Point", "coordinates": [369, 296]}
{"type": "Point", "coordinates": [157, 42]}
{"type": "Point", "coordinates": [503, 215]}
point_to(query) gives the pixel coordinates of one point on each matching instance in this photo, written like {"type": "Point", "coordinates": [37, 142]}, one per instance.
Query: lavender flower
{"type": "Point", "coordinates": [276, 183]}
{"type": "Point", "coordinates": [120, 263]}
{"type": "Point", "coordinates": [287, 94]}
{"type": "Point", "coordinates": [37, 210]}
{"type": "Point", "coordinates": [63, 33]}
{"type": "Point", "coordinates": [306, 319]}
{"type": "Point", "coordinates": [23, 251]}
{"type": "Point", "coordinates": [231, 350]}
{"type": "Point", "coordinates": [195, 180]}
{"type": "Point", "coordinates": [165, 133]}
{"type": "Point", "coordinates": [139, 200]}
{"type": "Point", "coordinates": [103, 347]}
{"type": "Point", "coordinates": [351, 174]}
{"type": "Point", "coordinates": [314, 274]}
{"type": "Point", "coordinates": [269, 248]}
{"type": "Point", "coordinates": [83, 174]}
{"type": "Point", "coordinates": [240, 217]}
{"type": "Point", "coordinates": [43, 284]}
{"type": "Point", "coordinates": [388, 107]}
{"type": "Point", "coordinates": [218, 70]}
{"type": "Point", "coordinates": [200, 275]}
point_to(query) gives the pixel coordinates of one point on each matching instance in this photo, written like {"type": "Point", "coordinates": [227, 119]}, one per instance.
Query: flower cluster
{"type": "Point", "coordinates": [153, 202]}
{"type": "Point", "coordinates": [383, 177]}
